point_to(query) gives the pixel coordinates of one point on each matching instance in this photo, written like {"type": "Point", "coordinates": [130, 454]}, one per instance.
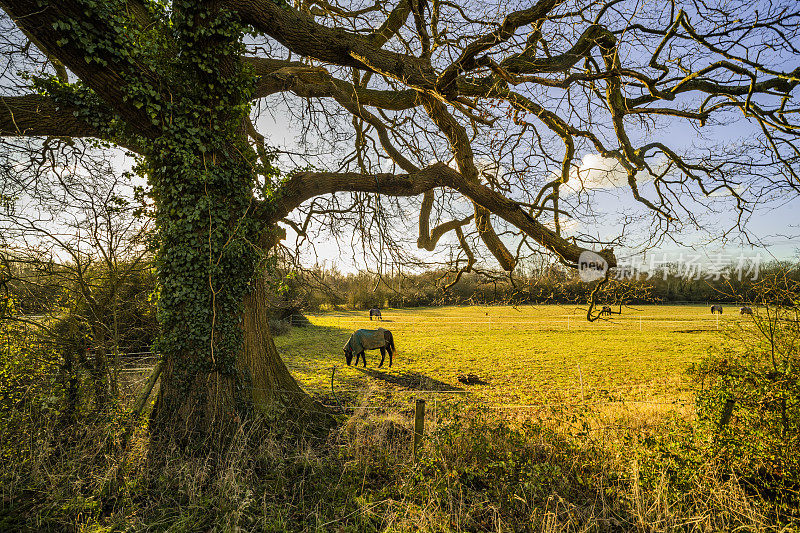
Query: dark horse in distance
{"type": "Point", "coordinates": [369, 339]}
{"type": "Point", "coordinates": [716, 309]}
{"type": "Point", "coordinates": [375, 312]}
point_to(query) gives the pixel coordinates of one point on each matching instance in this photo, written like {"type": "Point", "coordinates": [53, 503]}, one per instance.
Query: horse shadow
{"type": "Point", "coordinates": [410, 380]}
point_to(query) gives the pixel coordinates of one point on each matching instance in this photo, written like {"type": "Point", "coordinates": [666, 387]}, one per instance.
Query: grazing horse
{"type": "Point", "coordinates": [606, 310]}
{"type": "Point", "coordinates": [369, 339]}
{"type": "Point", "coordinates": [746, 310]}
{"type": "Point", "coordinates": [375, 312]}
{"type": "Point", "coordinates": [716, 309]}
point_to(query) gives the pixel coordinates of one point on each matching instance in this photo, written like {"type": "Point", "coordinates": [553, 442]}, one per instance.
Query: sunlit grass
{"type": "Point", "coordinates": [526, 353]}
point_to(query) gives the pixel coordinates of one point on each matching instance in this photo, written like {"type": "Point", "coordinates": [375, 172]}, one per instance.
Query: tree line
{"type": "Point", "coordinates": [325, 289]}
{"type": "Point", "coordinates": [128, 294]}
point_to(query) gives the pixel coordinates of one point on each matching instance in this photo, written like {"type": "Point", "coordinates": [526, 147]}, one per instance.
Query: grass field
{"type": "Point", "coordinates": [506, 455]}
{"type": "Point", "coordinates": [525, 354]}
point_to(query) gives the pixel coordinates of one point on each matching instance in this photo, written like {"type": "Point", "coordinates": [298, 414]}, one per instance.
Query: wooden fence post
{"type": "Point", "coordinates": [727, 410]}
{"type": "Point", "coordinates": [419, 425]}
{"type": "Point", "coordinates": [726, 414]}
{"type": "Point", "coordinates": [335, 397]}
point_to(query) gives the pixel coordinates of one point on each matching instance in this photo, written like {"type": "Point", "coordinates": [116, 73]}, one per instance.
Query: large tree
{"type": "Point", "coordinates": [442, 103]}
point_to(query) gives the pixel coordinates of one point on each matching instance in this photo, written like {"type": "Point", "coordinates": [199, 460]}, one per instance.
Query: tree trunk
{"type": "Point", "coordinates": [200, 410]}
{"type": "Point", "coordinates": [70, 383]}
{"type": "Point", "coordinates": [207, 410]}
{"type": "Point", "coordinates": [98, 366]}
{"type": "Point", "coordinates": [265, 372]}
{"type": "Point", "coordinates": [220, 363]}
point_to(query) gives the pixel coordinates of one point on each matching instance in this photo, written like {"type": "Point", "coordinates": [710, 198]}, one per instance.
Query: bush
{"type": "Point", "coordinates": [278, 327]}
{"type": "Point", "coordinates": [476, 471]}
{"type": "Point", "coordinates": [759, 370]}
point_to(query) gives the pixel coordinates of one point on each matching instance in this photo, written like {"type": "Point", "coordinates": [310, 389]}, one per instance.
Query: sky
{"type": "Point", "coordinates": [774, 228]}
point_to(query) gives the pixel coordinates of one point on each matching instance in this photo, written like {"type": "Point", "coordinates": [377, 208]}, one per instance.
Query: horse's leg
{"type": "Point", "coordinates": [390, 350]}
{"type": "Point", "coordinates": [383, 356]}
{"type": "Point", "coordinates": [364, 358]}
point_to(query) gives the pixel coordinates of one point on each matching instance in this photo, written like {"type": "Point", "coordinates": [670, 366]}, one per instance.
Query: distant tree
{"type": "Point", "coordinates": [484, 115]}
{"type": "Point", "coordinates": [77, 253]}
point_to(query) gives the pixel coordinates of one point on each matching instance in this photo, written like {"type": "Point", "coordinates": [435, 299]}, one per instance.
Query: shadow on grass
{"type": "Point", "coordinates": [320, 351]}
{"type": "Point", "coordinates": [317, 349]}
{"type": "Point", "coordinates": [410, 380]}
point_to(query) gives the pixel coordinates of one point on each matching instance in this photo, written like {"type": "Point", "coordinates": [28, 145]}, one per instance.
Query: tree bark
{"type": "Point", "coordinates": [207, 410]}
{"type": "Point", "coordinates": [266, 375]}
{"type": "Point", "coordinates": [200, 411]}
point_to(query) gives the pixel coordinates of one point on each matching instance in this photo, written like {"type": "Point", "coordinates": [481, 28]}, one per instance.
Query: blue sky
{"type": "Point", "coordinates": [776, 224]}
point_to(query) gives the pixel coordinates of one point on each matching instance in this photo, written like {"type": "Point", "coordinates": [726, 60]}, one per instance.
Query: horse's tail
{"type": "Point", "coordinates": [390, 340]}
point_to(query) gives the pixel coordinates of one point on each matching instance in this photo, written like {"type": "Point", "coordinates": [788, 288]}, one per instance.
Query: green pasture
{"type": "Point", "coordinates": [525, 354]}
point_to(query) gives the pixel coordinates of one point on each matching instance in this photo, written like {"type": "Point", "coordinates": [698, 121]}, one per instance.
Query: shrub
{"type": "Point", "coordinates": [278, 327]}
{"type": "Point", "coordinates": [759, 370]}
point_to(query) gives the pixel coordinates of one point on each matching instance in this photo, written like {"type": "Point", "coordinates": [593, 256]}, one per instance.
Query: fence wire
{"type": "Point", "coordinates": [568, 322]}
{"type": "Point", "coordinates": [403, 399]}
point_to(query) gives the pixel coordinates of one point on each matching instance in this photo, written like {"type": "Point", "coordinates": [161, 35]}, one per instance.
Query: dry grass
{"type": "Point", "coordinates": [476, 472]}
